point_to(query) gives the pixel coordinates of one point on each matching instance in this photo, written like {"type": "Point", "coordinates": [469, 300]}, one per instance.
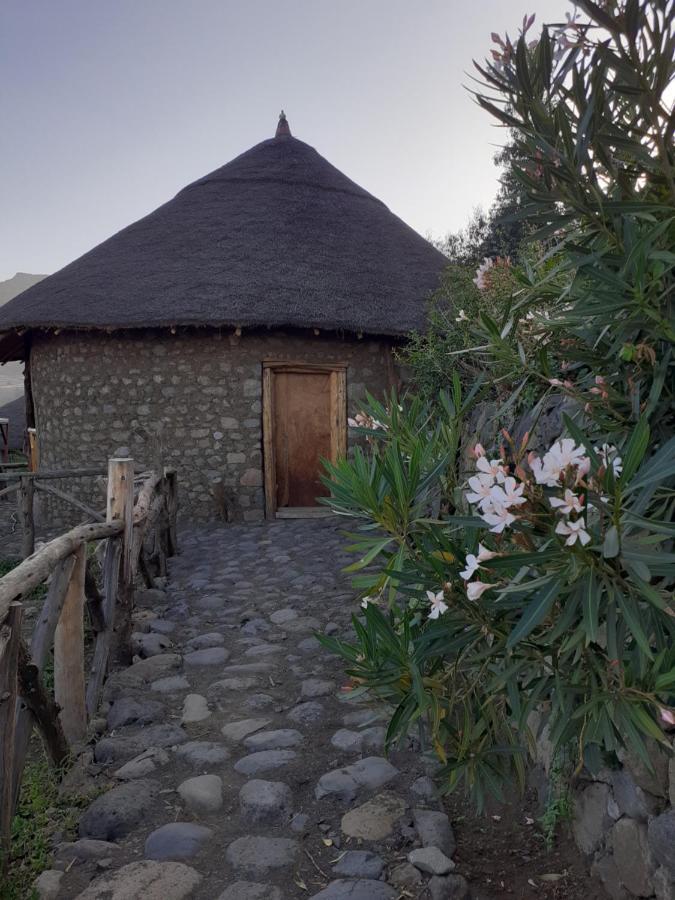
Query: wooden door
{"type": "Point", "coordinates": [301, 436]}
{"type": "Point", "coordinates": [304, 421]}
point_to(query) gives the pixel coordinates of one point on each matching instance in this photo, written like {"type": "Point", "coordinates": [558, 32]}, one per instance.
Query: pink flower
{"type": "Point", "coordinates": [565, 453]}
{"type": "Point", "coordinates": [667, 716]}
{"type": "Point", "coordinates": [491, 467]}
{"type": "Point", "coordinates": [478, 450]}
{"type": "Point", "coordinates": [476, 589]}
{"type": "Point", "coordinates": [575, 531]}
{"type": "Point", "coordinates": [481, 485]}
{"type": "Point", "coordinates": [438, 607]}
{"type": "Point", "coordinates": [511, 494]}
{"type": "Point", "coordinates": [568, 504]}
{"type": "Point", "coordinates": [499, 518]}
{"type": "Point", "coordinates": [484, 554]}
{"type": "Point", "coordinates": [544, 472]}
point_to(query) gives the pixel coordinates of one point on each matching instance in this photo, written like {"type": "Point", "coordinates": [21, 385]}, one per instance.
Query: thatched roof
{"type": "Point", "coordinates": [277, 237]}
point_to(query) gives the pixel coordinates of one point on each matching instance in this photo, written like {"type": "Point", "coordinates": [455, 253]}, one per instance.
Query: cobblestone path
{"type": "Point", "coordinates": [229, 767]}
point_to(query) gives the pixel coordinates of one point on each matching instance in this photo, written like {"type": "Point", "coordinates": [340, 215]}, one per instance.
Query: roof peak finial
{"type": "Point", "coordinates": [283, 128]}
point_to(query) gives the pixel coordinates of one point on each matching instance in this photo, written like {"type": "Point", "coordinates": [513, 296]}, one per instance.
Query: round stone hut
{"type": "Point", "coordinates": [231, 332]}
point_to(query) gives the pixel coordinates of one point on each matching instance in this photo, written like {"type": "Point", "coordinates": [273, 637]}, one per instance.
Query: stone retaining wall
{"type": "Point", "coordinates": [623, 819]}
{"type": "Point", "coordinates": [192, 399]}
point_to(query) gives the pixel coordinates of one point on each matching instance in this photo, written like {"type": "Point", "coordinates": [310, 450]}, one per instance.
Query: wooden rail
{"type": "Point", "coordinates": [139, 534]}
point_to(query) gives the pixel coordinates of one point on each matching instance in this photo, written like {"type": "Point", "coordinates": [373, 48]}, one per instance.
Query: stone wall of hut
{"type": "Point", "coordinates": [193, 400]}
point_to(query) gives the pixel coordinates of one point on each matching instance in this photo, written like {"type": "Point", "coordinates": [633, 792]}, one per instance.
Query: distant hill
{"type": "Point", "coordinates": [19, 282]}
{"type": "Point", "coordinates": [11, 374]}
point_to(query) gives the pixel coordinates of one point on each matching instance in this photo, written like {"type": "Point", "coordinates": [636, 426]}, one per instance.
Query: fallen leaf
{"type": "Point", "coordinates": [551, 876]}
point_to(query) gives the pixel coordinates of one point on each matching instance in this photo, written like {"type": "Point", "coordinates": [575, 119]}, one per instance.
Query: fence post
{"type": "Point", "coordinates": [10, 637]}
{"type": "Point", "coordinates": [69, 689]}
{"type": "Point", "coordinates": [33, 452]}
{"type": "Point", "coordinates": [26, 518]}
{"type": "Point", "coordinates": [120, 506]}
{"type": "Point", "coordinates": [120, 503]}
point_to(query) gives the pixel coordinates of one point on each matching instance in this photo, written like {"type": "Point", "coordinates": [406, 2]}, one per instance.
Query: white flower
{"type": "Point", "coordinates": [438, 607]}
{"type": "Point", "coordinates": [471, 564]}
{"type": "Point", "coordinates": [511, 494]}
{"type": "Point", "coordinates": [499, 517]}
{"type": "Point", "coordinates": [476, 588]}
{"type": "Point", "coordinates": [492, 467]}
{"type": "Point", "coordinates": [473, 561]}
{"type": "Point", "coordinates": [366, 601]}
{"type": "Point", "coordinates": [608, 455]}
{"type": "Point", "coordinates": [481, 485]}
{"type": "Point", "coordinates": [462, 317]}
{"type": "Point", "coordinates": [565, 453]}
{"type": "Point", "coordinates": [568, 503]}
{"type": "Point", "coordinates": [544, 472]}
{"type": "Point", "coordinates": [575, 531]}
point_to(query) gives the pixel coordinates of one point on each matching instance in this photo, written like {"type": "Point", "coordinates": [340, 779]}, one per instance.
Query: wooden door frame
{"type": "Point", "coordinates": [338, 417]}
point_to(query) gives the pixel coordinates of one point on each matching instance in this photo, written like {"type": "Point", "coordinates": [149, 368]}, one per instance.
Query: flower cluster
{"type": "Point", "coordinates": [498, 494]}
{"type": "Point", "coordinates": [473, 562]}
{"type": "Point", "coordinates": [363, 420]}
{"type": "Point", "coordinates": [564, 454]}
{"type": "Point", "coordinates": [495, 492]}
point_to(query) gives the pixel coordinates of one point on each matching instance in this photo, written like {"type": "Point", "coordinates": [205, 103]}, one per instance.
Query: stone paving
{"type": "Point", "coordinates": [228, 765]}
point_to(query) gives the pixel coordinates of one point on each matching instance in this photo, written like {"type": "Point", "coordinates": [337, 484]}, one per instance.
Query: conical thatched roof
{"type": "Point", "coordinates": [277, 237]}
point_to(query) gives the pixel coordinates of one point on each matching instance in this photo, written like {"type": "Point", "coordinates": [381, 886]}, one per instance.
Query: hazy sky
{"type": "Point", "coordinates": [109, 107]}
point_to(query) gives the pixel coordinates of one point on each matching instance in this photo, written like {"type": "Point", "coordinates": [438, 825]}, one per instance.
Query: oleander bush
{"type": "Point", "coordinates": [541, 581]}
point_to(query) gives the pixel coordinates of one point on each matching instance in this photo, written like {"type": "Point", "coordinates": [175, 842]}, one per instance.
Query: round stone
{"type": "Point", "coordinates": [264, 761]}
{"type": "Point", "coordinates": [195, 709]}
{"type": "Point", "coordinates": [202, 794]}
{"type": "Point", "coordinates": [209, 656]}
{"type": "Point", "coordinates": [148, 879]}
{"type": "Point", "coordinates": [316, 687]}
{"type": "Point", "coordinates": [265, 802]}
{"type": "Point", "coordinates": [431, 860]}
{"type": "Point", "coordinates": [177, 840]}
{"type": "Point", "coordinates": [375, 819]}
{"type": "Point", "coordinates": [258, 855]}
{"type": "Point", "coordinates": [281, 739]}
{"type": "Point", "coordinates": [306, 713]}
{"type": "Point", "coordinates": [203, 753]}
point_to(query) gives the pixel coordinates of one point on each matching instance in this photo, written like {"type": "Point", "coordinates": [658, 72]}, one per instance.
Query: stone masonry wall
{"type": "Point", "coordinates": [623, 818]}
{"type": "Point", "coordinates": [198, 395]}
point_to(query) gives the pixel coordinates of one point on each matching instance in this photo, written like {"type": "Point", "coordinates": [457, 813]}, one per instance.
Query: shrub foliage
{"type": "Point", "coordinates": [542, 582]}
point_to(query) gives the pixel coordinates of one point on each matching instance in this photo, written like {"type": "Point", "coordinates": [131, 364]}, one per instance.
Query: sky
{"type": "Point", "coordinates": [109, 107]}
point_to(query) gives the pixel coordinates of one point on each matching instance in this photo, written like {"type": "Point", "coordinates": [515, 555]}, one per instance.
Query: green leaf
{"type": "Point", "coordinates": [611, 545]}
{"type": "Point", "coordinates": [630, 611]}
{"type": "Point", "coordinates": [535, 613]}
{"type": "Point", "coordinates": [591, 594]}
{"type": "Point", "coordinates": [635, 451]}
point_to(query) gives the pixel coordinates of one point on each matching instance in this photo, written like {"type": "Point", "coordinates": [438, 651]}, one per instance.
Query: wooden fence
{"type": "Point", "coordinates": [139, 531]}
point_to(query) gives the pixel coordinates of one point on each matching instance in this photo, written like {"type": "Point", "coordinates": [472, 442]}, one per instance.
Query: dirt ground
{"type": "Point", "coordinates": [503, 854]}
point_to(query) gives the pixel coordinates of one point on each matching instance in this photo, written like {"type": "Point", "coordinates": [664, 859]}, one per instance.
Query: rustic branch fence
{"type": "Point", "coordinates": [139, 533]}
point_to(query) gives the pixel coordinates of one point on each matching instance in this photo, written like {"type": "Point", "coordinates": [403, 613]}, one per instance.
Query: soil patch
{"type": "Point", "coordinates": [503, 854]}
